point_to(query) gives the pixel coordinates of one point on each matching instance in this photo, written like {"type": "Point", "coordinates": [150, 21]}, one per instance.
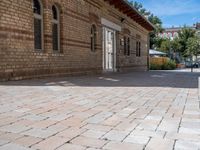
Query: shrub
{"type": "Point", "coordinates": [168, 65]}
{"type": "Point", "coordinates": [155, 67]}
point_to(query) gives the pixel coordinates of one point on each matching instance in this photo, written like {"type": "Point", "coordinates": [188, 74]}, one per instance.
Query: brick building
{"type": "Point", "coordinates": [60, 37]}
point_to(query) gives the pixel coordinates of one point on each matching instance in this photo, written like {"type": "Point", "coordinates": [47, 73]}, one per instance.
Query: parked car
{"type": "Point", "coordinates": [192, 65]}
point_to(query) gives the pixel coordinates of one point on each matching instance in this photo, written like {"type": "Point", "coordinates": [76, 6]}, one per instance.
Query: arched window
{"type": "Point", "coordinates": [56, 28]}
{"type": "Point", "coordinates": [93, 38]}
{"type": "Point", "coordinates": [38, 24]}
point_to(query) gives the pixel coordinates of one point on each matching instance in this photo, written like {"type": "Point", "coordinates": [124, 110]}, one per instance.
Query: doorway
{"type": "Point", "coordinates": [109, 52]}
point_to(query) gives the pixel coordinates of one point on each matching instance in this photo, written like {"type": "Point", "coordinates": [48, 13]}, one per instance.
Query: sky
{"type": "Point", "coordinates": [174, 12]}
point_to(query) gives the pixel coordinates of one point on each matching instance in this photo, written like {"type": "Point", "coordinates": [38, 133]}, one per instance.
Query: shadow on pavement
{"type": "Point", "coordinates": [174, 79]}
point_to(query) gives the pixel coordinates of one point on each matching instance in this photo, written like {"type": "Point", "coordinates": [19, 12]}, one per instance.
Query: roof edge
{"type": "Point", "coordinates": [140, 14]}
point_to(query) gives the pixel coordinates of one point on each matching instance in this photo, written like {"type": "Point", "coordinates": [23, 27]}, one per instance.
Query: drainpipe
{"type": "Point", "coordinates": [148, 55]}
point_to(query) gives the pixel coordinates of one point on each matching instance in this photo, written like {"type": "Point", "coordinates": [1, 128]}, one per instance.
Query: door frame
{"type": "Point", "coordinates": [114, 49]}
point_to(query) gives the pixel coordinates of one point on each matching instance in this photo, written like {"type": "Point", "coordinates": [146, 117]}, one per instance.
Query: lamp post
{"type": "Point", "coordinates": [191, 63]}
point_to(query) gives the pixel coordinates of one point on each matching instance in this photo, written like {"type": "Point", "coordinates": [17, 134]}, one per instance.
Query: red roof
{"type": "Point", "coordinates": [130, 11]}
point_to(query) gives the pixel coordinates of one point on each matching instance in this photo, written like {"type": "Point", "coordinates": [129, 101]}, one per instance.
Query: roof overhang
{"type": "Point", "coordinates": [124, 7]}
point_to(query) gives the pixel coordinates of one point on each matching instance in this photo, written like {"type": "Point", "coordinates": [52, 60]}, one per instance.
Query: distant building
{"type": "Point", "coordinates": [172, 33]}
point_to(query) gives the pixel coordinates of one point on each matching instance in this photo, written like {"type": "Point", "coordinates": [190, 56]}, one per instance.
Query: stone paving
{"type": "Point", "coordinates": [132, 111]}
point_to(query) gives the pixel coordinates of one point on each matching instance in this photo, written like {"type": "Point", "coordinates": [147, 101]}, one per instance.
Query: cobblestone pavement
{"type": "Point", "coordinates": [132, 111]}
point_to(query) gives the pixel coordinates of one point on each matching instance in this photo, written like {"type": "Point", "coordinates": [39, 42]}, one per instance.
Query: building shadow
{"type": "Point", "coordinates": [172, 79]}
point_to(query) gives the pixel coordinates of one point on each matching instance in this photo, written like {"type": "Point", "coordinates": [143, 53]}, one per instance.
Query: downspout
{"type": "Point", "coordinates": [148, 55]}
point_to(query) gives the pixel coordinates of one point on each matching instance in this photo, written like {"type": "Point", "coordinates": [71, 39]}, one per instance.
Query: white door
{"type": "Point", "coordinates": [109, 50]}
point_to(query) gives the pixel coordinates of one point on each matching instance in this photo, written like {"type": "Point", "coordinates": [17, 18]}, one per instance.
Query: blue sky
{"type": "Point", "coordinates": [174, 12]}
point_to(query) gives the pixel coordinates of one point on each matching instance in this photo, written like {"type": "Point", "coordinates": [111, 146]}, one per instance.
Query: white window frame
{"type": "Point", "coordinates": [54, 21]}
{"type": "Point", "coordinates": [40, 17]}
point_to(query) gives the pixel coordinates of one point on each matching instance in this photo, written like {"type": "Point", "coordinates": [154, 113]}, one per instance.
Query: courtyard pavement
{"type": "Point", "coordinates": [131, 111]}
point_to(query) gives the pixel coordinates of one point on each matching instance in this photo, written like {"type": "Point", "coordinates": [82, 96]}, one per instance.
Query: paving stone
{"type": "Point", "coordinates": [183, 136]}
{"type": "Point", "coordinates": [97, 127]}
{"type": "Point", "coordinates": [148, 133]}
{"type": "Point", "coordinates": [93, 149]}
{"type": "Point", "coordinates": [60, 117]}
{"type": "Point", "coordinates": [71, 147]}
{"type": "Point", "coordinates": [10, 136]}
{"type": "Point", "coordinates": [94, 134]}
{"type": "Point", "coordinates": [190, 124]}
{"type": "Point", "coordinates": [137, 139]}
{"type": "Point", "coordinates": [162, 144]}
{"type": "Point", "coordinates": [148, 125]}
{"type": "Point", "coordinates": [57, 128]}
{"type": "Point", "coordinates": [89, 142]}
{"type": "Point", "coordinates": [43, 124]}
{"type": "Point", "coordinates": [187, 145]}
{"type": "Point", "coordinates": [189, 130]}
{"type": "Point", "coordinates": [71, 132]}
{"type": "Point", "coordinates": [115, 135]}
{"type": "Point", "coordinates": [3, 142]}
{"type": "Point", "coordinates": [99, 117]}
{"type": "Point", "coordinates": [27, 141]}
{"type": "Point", "coordinates": [126, 126]}
{"type": "Point", "coordinates": [12, 146]}
{"type": "Point", "coordinates": [39, 133]}
{"type": "Point", "coordinates": [14, 128]}
{"type": "Point", "coordinates": [121, 146]}
{"type": "Point", "coordinates": [51, 143]}
{"type": "Point", "coordinates": [112, 121]}
{"type": "Point", "coordinates": [73, 122]}
{"type": "Point", "coordinates": [169, 125]}
{"type": "Point", "coordinates": [34, 117]}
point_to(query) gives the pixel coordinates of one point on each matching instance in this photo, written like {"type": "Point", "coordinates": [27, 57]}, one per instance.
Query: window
{"type": "Point", "coordinates": [175, 34]}
{"type": "Point", "coordinates": [138, 49]}
{"type": "Point", "coordinates": [55, 28]}
{"type": "Point", "coordinates": [126, 46]}
{"type": "Point", "coordinates": [170, 35]}
{"type": "Point", "coordinates": [165, 35]}
{"type": "Point", "coordinates": [38, 24]}
{"type": "Point", "coordinates": [93, 38]}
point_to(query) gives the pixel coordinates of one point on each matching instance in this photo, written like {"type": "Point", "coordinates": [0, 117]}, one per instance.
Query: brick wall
{"type": "Point", "coordinates": [19, 59]}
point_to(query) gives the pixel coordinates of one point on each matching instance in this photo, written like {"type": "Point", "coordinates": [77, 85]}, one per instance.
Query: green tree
{"type": "Point", "coordinates": [183, 36]}
{"type": "Point", "coordinates": [154, 40]}
{"type": "Point", "coordinates": [156, 21]}
{"type": "Point", "coordinates": [157, 42]}
{"type": "Point", "coordinates": [165, 45]}
{"type": "Point", "coordinates": [175, 45]}
{"type": "Point", "coordinates": [140, 8]}
{"type": "Point", "coordinates": [193, 47]}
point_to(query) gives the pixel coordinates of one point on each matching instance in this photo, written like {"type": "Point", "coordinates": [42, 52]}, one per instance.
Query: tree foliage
{"type": "Point", "coordinates": [155, 20]}
{"type": "Point", "coordinates": [165, 45]}
{"type": "Point", "coordinates": [140, 8]}
{"type": "Point", "coordinates": [193, 46]}
{"type": "Point", "coordinates": [186, 43]}
{"type": "Point", "coordinates": [183, 36]}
